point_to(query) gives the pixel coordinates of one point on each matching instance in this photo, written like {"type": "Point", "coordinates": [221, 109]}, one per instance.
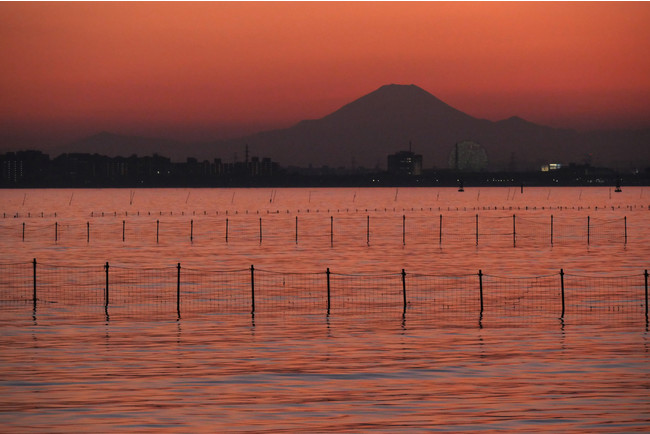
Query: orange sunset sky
{"type": "Point", "coordinates": [200, 71]}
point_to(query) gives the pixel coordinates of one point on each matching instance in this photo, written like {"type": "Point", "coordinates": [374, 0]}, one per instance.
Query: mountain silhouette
{"type": "Point", "coordinates": [382, 122]}
{"type": "Point", "coordinates": [365, 131]}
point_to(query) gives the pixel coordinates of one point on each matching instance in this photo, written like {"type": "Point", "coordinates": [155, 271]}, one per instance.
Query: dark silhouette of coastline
{"type": "Point", "coordinates": [34, 169]}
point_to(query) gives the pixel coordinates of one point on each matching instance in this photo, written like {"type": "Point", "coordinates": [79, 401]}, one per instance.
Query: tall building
{"type": "Point", "coordinates": [405, 163]}
{"type": "Point", "coordinates": [468, 156]}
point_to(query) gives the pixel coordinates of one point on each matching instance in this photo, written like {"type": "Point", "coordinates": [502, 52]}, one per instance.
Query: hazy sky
{"type": "Point", "coordinates": [209, 70]}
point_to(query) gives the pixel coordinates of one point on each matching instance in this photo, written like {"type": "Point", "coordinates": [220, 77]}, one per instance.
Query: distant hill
{"type": "Point", "coordinates": [365, 131]}
{"type": "Point", "coordinates": [115, 145]}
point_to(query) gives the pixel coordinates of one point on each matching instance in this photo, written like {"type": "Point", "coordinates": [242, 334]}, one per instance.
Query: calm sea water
{"type": "Point", "coordinates": [347, 371]}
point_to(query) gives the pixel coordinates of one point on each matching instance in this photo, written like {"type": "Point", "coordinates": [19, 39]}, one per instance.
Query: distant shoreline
{"type": "Point", "coordinates": [379, 180]}
{"type": "Point", "coordinates": [33, 169]}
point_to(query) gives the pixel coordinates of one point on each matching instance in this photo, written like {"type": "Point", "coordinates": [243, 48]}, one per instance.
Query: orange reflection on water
{"type": "Point", "coordinates": [340, 373]}
{"type": "Point", "coordinates": [72, 364]}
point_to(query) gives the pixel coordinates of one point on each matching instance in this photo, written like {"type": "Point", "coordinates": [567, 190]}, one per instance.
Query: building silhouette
{"type": "Point", "coordinates": [468, 156]}
{"type": "Point", "coordinates": [405, 163]}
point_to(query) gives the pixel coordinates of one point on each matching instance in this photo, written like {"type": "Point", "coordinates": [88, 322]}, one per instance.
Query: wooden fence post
{"type": "Point", "coordinates": [562, 288]}
{"type": "Point", "coordinates": [404, 289]}
{"type": "Point", "coordinates": [34, 293]}
{"type": "Point", "coordinates": [327, 273]}
{"type": "Point", "coordinates": [551, 229]}
{"type": "Point", "coordinates": [645, 275]}
{"type": "Point", "coordinates": [178, 290]}
{"type": "Point", "coordinates": [106, 288]}
{"type": "Point", "coordinates": [480, 288]}
{"type": "Point", "coordinates": [252, 289]}
{"type": "Point", "coordinates": [368, 230]}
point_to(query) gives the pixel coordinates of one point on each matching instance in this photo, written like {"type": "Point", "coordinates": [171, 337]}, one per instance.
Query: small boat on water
{"type": "Point", "coordinates": [618, 186]}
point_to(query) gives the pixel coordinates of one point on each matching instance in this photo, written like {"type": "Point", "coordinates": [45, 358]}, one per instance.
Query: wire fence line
{"type": "Point", "coordinates": [356, 229]}
{"type": "Point", "coordinates": [332, 210]}
{"type": "Point", "coordinates": [181, 292]}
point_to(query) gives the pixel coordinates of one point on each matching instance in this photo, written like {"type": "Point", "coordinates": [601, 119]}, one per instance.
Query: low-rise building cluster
{"type": "Point", "coordinates": [34, 168]}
